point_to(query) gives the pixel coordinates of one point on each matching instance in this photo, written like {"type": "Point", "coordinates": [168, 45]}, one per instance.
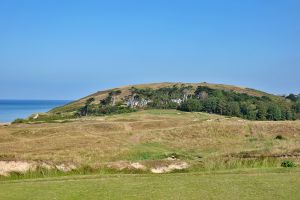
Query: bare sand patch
{"type": "Point", "coordinates": [169, 168]}
{"type": "Point", "coordinates": [65, 167]}
{"type": "Point", "coordinates": [122, 165]}
{"type": "Point", "coordinates": [6, 167]}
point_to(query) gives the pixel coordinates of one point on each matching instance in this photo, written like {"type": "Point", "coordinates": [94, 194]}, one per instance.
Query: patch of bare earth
{"type": "Point", "coordinates": [169, 168]}
{"type": "Point", "coordinates": [7, 167]}
{"type": "Point", "coordinates": [123, 165]}
{"type": "Point", "coordinates": [157, 168]}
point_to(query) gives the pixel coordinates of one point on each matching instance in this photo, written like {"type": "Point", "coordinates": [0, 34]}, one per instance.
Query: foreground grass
{"type": "Point", "coordinates": [253, 184]}
{"type": "Point", "coordinates": [208, 143]}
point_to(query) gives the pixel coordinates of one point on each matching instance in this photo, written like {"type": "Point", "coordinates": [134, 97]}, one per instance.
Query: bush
{"type": "Point", "coordinates": [105, 110]}
{"type": "Point", "coordinates": [18, 121]}
{"type": "Point", "coordinates": [279, 137]}
{"type": "Point", "coordinates": [288, 163]}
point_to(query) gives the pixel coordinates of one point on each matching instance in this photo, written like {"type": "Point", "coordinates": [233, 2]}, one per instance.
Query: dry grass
{"type": "Point", "coordinates": [150, 136]}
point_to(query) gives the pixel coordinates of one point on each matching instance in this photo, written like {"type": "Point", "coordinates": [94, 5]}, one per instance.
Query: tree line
{"type": "Point", "coordinates": [242, 105]}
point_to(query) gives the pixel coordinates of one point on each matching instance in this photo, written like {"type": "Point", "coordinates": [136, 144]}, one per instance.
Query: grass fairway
{"type": "Point", "coordinates": [253, 184]}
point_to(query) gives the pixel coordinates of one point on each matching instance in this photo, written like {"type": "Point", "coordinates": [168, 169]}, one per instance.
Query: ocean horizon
{"type": "Point", "coordinates": [11, 109]}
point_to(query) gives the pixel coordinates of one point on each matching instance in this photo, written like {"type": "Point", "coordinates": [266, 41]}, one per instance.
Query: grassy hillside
{"type": "Point", "coordinates": [190, 97]}
{"type": "Point", "coordinates": [126, 91]}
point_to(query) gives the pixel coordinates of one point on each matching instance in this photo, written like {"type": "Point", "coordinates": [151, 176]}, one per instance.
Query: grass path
{"type": "Point", "coordinates": [235, 185]}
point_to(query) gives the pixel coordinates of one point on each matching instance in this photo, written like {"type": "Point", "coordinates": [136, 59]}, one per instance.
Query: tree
{"type": "Point", "coordinates": [297, 107]}
{"type": "Point", "coordinates": [210, 105]}
{"type": "Point", "coordinates": [221, 107]}
{"type": "Point", "coordinates": [201, 89]}
{"type": "Point", "coordinates": [262, 111]}
{"type": "Point", "coordinates": [274, 112]}
{"type": "Point", "coordinates": [252, 112]}
{"type": "Point", "coordinates": [289, 114]}
{"type": "Point", "coordinates": [191, 105]}
{"type": "Point", "coordinates": [217, 93]}
{"type": "Point", "coordinates": [292, 97]}
{"type": "Point", "coordinates": [106, 101]}
{"type": "Point", "coordinates": [84, 110]}
{"type": "Point", "coordinates": [249, 110]}
{"type": "Point", "coordinates": [174, 92]}
{"type": "Point", "coordinates": [89, 101]}
{"type": "Point", "coordinates": [233, 109]}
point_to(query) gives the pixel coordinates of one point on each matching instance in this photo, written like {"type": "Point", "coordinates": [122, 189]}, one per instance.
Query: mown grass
{"type": "Point", "coordinates": [250, 184]}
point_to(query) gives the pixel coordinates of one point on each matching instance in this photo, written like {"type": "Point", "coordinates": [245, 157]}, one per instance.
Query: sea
{"type": "Point", "coordinates": [13, 109]}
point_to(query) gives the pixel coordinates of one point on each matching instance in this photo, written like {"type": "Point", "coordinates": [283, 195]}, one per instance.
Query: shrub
{"type": "Point", "coordinates": [279, 137]}
{"type": "Point", "coordinates": [288, 163]}
{"type": "Point", "coordinates": [18, 120]}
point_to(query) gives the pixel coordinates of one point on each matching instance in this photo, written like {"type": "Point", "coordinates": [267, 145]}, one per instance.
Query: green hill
{"type": "Point", "coordinates": [205, 97]}
{"type": "Point", "coordinates": [126, 91]}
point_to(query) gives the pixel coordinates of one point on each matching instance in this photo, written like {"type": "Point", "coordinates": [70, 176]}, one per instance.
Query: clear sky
{"type": "Point", "coordinates": [59, 49]}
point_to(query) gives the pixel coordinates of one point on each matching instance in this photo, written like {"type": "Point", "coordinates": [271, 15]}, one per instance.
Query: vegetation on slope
{"type": "Point", "coordinates": [199, 99]}
{"type": "Point", "coordinates": [126, 91]}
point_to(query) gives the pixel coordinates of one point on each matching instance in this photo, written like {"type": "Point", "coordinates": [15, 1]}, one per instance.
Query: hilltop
{"type": "Point", "coordinates": [125, 91]}
{"type": "Point", "coordinates": [192, 97]}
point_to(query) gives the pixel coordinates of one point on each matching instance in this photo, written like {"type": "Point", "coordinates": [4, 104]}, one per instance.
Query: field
{"type": "Point", "coordinates": [148, 136]}
{"type": "Point", "coordinates": [263, 184]}
{"type": "Point", "coordinates": [118, 156]}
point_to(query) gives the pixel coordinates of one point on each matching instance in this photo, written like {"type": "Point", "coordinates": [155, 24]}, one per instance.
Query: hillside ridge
{"type": "Point", "coordinates": [99, 95]}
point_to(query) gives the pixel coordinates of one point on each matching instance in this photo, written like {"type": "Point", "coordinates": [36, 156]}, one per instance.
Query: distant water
{"type": "Point", "coordinates": [12, 109]}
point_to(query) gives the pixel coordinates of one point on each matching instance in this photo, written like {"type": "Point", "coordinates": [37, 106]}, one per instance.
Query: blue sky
{"type": "Point", "coordinates": [54, 49]}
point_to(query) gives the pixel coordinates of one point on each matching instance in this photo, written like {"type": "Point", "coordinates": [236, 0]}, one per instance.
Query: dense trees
{"type": "Point", "coordinates": [297, 106]}
{"type": "Point", "coordinates": [241, 105]}
{"type": "Point", "coordinates": [262, 111]}
{"type": "Point", "coordinates": [296, 109]}
{"type": "Point", "coordinates": [191, 105]}
{"type": "Point", "coordinates": [233, 109]}
{"type": "Point", "coordinates": [274, 112]}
